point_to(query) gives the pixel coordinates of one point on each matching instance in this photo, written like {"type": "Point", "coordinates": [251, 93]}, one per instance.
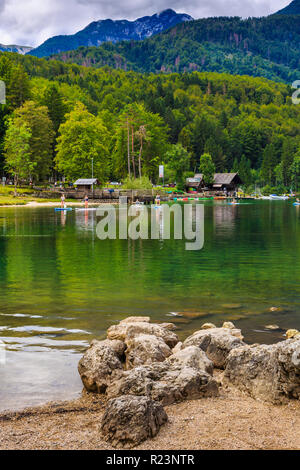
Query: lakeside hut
{"type": "Point", "coordinates": [223, 182]}
{"type": "Point", "coordinates": [86, 185]}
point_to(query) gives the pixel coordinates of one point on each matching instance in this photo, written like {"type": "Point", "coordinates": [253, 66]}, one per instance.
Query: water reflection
{"type": "Point", "coordinates": [60, 285]}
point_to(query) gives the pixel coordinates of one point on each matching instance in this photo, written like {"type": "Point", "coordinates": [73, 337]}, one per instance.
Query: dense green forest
{"type": "Point", "coordinates": [267, 47]}
{"type": "Point", "coordinates": [60, 117]}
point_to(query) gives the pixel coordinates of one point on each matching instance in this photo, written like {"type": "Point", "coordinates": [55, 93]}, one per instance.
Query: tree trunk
{"type": "Point", "coordinates": [16, 184]}
{"type": "Point", "coordinates": [133, 159]}
{"type": "Point", "coordinates": [128, 148]}
{"type": "Point", "coordinates": [140, 158]}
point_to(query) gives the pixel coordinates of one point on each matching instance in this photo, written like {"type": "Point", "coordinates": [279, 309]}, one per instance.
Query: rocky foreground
{"type": "Point", "coordinates": [144, 389]}
{"type": "Point", "coordinates": [142, 367]}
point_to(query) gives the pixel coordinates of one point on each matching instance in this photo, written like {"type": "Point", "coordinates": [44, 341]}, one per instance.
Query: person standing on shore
{"type": "Point", "coordinates": [86, 201]}
{"type": "Point", "coordinates": [63, 201]}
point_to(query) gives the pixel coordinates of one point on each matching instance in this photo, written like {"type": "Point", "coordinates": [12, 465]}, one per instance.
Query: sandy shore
{"type": "Point", "coordinates": [33, 204]}
{"type": "Point", "coordinates": [231, 421]}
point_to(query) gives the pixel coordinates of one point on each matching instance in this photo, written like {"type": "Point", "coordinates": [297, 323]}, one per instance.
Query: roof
{"type": "Point", "coordinates": [224, 178]}
{"type": "Point", "coordinates": [86, 182]}
{"type": "Point", "coordinates": [220, 179]}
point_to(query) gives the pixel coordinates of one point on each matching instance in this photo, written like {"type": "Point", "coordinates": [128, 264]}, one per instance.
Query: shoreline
{"type": "Point", "coordinates": [232, 421]}
{"type": "Point", "coordinates": [34, 204]}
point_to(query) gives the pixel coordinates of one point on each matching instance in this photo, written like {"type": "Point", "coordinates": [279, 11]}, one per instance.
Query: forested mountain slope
{"type": "Point", "coordinates": [267, 47]}
{"type": "Point", "coordinates": [246, 124]}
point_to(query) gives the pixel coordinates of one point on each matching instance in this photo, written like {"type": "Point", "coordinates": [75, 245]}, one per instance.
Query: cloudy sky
{"type": "Point", "coordinates": [31, 22]}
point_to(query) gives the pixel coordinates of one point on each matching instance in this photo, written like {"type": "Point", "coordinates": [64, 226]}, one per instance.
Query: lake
{"type": "Point", "coordinates": [60, 287]}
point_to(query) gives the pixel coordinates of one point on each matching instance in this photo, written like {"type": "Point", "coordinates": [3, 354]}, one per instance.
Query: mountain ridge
{"type": "Point", "coordinates": [99, 32]}
{"type": "Point", "coordinates": [292, 9]}
{"type": "Point", "coordinates": [15, 48]}
{"type": "Point", "coordinates": [267, 47]}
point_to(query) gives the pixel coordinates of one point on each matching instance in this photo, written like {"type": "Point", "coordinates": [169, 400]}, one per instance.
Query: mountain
{"type": "Point", "coordinates": [13, 48]}
{"type": "Point", "coordinates": [102, 31]}
{"type": "Point", "coordinates": [292, 9]}
{"type": "Point", "coordinates": [267, 47]}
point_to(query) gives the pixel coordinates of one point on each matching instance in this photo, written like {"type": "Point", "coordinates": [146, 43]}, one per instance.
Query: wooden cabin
{"type": "Point", "coordinates": [223, 182]}
{"type": "Point", "coordinates": [86, 185]}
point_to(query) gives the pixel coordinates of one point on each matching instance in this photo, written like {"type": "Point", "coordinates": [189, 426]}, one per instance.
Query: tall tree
{"type": "Point", "coordinates": [36, 119]}
{"type": "Point", "coordinates": [83, 140]}
{"type": "Point", "coordinates": [207, 168]}
{"type": "Point", "coordinates": [17, 151]}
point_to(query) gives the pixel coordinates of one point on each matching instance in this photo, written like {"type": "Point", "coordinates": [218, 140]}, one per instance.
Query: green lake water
{"type": "Point", "coordinates": [60, 287]}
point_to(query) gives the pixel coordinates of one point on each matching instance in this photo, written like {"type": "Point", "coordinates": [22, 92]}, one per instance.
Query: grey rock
{"type": "Point", "coordinates": [216, 343]}
{"type": "Point", "coordinates": [192, 357]}
{"type": "Point", "coordinates": [145, 349]}
{"type": "Point", "coordinates": [124, 331]}
{"type": "Point", "coordinates": [130, 420]}
{"type": "Point", "coordinates": [267, 372]}
{"type": "Point", "coordinates": [164, 382]}
{"type": "Point", "coordinates": [100, 363]}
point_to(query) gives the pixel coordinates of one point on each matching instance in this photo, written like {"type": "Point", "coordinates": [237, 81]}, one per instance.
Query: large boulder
{"type": "Point", "coordinates": [126, 330]}
{"type": "Point", "coordinates": [165, 382]}
{"type": "Point", "coordinates": [216, 343]}
{"type": "Point", "coordinates": [130, 420]}
{"type": "Point", "coordinates": [145, 349]}
{"type": "Point", "coordinates": [266, 372]}
{"type": "Point", "coordinates": [192, 357]}
{"type": "Point", "coordinates": [100, 363]}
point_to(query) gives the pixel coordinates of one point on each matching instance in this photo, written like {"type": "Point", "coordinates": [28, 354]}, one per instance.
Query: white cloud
{"type": "Point", "coordinates": [31, 22]}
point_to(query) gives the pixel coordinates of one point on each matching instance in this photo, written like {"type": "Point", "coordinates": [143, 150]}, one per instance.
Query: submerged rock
{"type": "Point", "coordinates": [272, 327]}
{"type": "Point", "coordinates": [267, 372]}
{"type": "Point", "coordinates": [130, 420]}
{"type": "Point", "coordinates": [216, 343]}
{"type": "Point", "coordinates": [100, 362]}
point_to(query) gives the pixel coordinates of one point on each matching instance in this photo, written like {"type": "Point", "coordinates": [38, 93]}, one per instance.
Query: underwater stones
{"type": "Point", "coordinates": [272, 327]}
{"type": "Point", "coordinates": [231, 306]}
{"type": "Point", "coordinates": [130, 420]}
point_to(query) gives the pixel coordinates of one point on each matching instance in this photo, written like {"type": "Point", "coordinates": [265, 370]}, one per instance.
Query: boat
{"type": "Point", "coordinates": [80, 209]}
{"type": "Point", "coordinates": [138, 204]}
{"type": "Point", "coordinates": [220, 198]}
{"type": "Point", "coordinates": [274, 197]}
{"type": "Point", "coordinates": [296, 204]}
{"type": "Point", "coordinates": [61, 209]}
